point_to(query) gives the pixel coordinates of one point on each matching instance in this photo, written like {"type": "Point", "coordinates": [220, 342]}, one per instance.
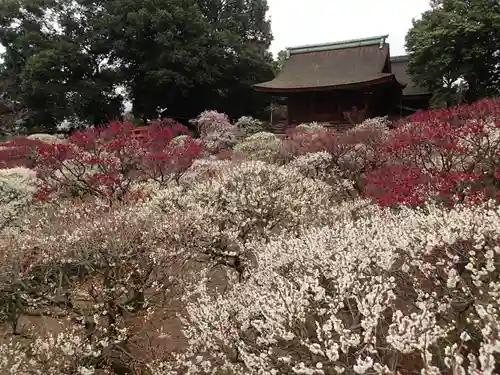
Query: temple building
{"type": "Point", "coordinates": [330, 82]}
{"type": "Point", "coordinates": [414, 97]}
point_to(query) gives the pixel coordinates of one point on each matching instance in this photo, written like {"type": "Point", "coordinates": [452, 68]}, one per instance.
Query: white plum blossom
{"type": "Point", "coordinates": [340, 290]}
{"type": "Point", "coordinates": [264, 264]}
{"type": "Point", "coordinates": [243, 202]}
{"type": "Point", "coordinates": [323, 166]}
{"type": "Point", "coordinates": [260, 146]}
{"type": "Point", "coordinates": [17, 186]}
{"type": "Point", "coordinates": [47, 138]}
{"type": "Point", "coordinates": [49, 354]}
{"type": "Point", "coordinates": [248, 125]}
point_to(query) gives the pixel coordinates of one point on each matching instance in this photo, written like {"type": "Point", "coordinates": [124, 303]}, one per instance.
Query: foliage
{"type": "Point", "coordinates": [280, 60]}
{"type": "Point", "coordinates": [76, 61]}
{"type": "Point", "coordinates": [457, 40]}
{"type": "Point", "coordinates": [249, 126]}
{"type": "Point", "coordinates": [12, 114]}
{"type": "Point", "coordinates": [56, 64]}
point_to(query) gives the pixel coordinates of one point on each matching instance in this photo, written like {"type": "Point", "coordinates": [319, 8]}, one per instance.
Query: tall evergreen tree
{"type": "Point", "coordinates": [55, 63]}
{"type": "Point", "coordinates": [189, 55]}
{"type": "Point", "coordinates": [457, 40]}
{"type": "Point", "coordinates": [66, 58]}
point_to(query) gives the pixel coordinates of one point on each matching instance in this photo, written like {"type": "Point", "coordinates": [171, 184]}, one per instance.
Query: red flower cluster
{"type": "Point", "coordinates": [451, 155]}
{"type": "Point", "coordinates": [18, 152]}
{"type": "Point", "coordinates": [105, 161]}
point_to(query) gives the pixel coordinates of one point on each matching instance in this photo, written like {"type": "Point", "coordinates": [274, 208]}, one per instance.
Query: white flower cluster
{"type": "Point", "coordinates": [17, 186]}
{"type": "Point", "coordinates": [203, 169]}
{"type": "Point", "coordinates": [243, 202]}
{"type": "Point", "coordinates": [260, 146]}
{"type": "Point", "coordinates": [390, 291]}
{"type": "Point", "coordinates": [179, 140]}
{"type": "Point", "coordinates": [322, 166]}
{"type": "Point", "coordinates": [47, 138]}
{"type": "Point", "coordinates": [376, 124]}
{"type": "Point", "coordinates": [69, 351]}
{"type": "Point", "coordinates": [309, 127]}
{"type": "Point", "coordinates": [248, 125]}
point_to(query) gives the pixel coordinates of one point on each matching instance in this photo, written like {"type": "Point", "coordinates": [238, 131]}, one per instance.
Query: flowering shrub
{"type": "Point", "coordinates": [260, 146]}
{"type": "Point", "coordinates": [70, 351]}
{"type": "Point", "coordinates": [98, 274]}
{"type": "Point", "coordinates": [16, 188]}
{"type": "Point", "coordinates": [381, 124]}
{"type": "Point", "coordinates": [357, 150]}
{"type": "Point", "coordinates": [250, 267]}
{"type": "Point", "coordinates": [310, 127]}
{"type": "Point", "coordinates": [354, 152]}
{"type": "Point", "coordinates": [322, 166]}
{"type": "Point", "coordinates": [216, 130]}
{"type": "Point", "coordinates": [105, 161]}
{"type": "Point", "coordinates": [47, 138]}
{"type": "Point", "coordinates": [442, 154]}
{"type": "Point", "coordinates": [204, 170]}
{"type": "Point", "coordinates": [19, 152]}
{"type": "Point", "coordinates": [300, 141]}
{"type": "Point", "coordinates": [404, 292]}
{"type": "Point", "coordinates": [243, 202]}
{"type": "Point", "coordinates": [248, 126]}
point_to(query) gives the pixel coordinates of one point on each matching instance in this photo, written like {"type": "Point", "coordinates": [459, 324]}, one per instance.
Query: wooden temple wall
{"type": "Point", "coordinates": [323, 106]}
{"type": "Point", "coordinates": [330, 106]}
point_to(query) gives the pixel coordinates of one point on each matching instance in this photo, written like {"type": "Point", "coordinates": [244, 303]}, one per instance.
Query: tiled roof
{"type": "Point", "coordinates": [399, 66]}
{"type": "Point", "coordinates": [337, 64]}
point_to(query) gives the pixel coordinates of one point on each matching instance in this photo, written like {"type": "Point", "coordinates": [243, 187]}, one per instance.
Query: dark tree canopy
{"type": "Point", "coordinates": [55, 63]}
{"type": "Point", "coordinates": [65, 59]}
{"type": "Point", "coordinates": [457, 40]}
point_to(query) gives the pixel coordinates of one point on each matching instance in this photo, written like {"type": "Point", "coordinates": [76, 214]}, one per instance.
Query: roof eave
{"type": "Point", "coordinates": [328, 87]}
{"type": "Point", "coordinates": [416, 96]}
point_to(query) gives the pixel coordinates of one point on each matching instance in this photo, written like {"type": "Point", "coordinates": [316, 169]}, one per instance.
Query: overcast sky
{"type": "Point", "coordinates": [298, 22]}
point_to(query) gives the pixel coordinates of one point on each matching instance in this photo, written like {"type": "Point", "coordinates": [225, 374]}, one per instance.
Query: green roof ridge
{"type": "Point", "coordinates": [339, 45]}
